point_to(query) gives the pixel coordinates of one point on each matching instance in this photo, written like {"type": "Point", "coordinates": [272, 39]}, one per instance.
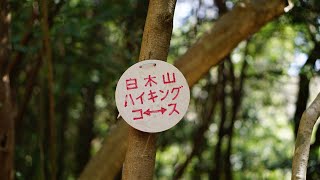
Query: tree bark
{"type": "Point", "coordinates": [6, 105]}
{"type": "Point", "coordinates": [140, 157]}
{"type": "Point", "coordinates": [302, 146]}
{"type": "Point", "coordinates": [239, 24]}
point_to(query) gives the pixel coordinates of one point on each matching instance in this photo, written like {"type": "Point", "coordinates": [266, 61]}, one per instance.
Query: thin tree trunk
{"type": "Point", "coordinates": [133, 31]}
{"type": "Point", "coordinates": [85, 128]}
{"type": "Point", "coordinates": [6, 105]}
{"type": "Point", "coordinates": [140, 157]}
{"type": "Point", "coordinates": [47, 57]}
{"type": "Point", "coordinates": [14, 67]}
{"type": "Point", "coordinates": [199, 137]}
{"type": "Point", "coordinates": [205, 53]}
{"type": "Point", "coordinates": [41, 127]}
{"type": "Point", "coordinates": [304, 81]}
{"type": "Point", "coordinates": [6, 130]}
{"type": "Point", "coordinates": [302, 146]}
{"type": "Point", "coordinates": [237, 94]}
{"type": "Point", "coordinates": [218, 160]}
{"type": "Point", "coordinates": [64, 117]}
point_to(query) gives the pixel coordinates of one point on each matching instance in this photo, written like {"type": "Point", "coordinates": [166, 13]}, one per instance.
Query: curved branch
{"type": "Point", "coordinates": [301, 152]}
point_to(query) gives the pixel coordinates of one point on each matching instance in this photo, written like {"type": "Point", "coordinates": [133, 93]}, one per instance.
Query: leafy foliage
{"type": "Point", "coordinates": [94, 42]}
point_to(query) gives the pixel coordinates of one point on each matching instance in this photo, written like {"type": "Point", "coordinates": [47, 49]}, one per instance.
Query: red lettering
{"type": "Point", "coordinates": [164, 97]}
{"type": "Point", "coordinates": [169, 80]}
{"type": "Point", "coordinates": [126, 100]}
{"type": "Point", "coordinates": [141, 98]}
{"type": "Point", "coordinates": [150, 80]}
{"type": "Point", "coordinates": [174, 109]}
{"type": "Point", "coordinates": [131, 83]}
{"type": "Point", "coordinates": [140, 115]}
{"type": "Point", "coordinates": [178, 91]}
{"type": "Point", "coordinates": [152, 95]}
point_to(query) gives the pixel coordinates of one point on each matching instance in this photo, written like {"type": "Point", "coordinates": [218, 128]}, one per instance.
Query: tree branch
{"type": "Point", "coordinates": [227, 32]}
{"type": "Point", "coordinates": [29, 89]}
{"type": "Point", "coordinates": [302, 146]}
{"type": "Point", "coordinates": [207, 52]}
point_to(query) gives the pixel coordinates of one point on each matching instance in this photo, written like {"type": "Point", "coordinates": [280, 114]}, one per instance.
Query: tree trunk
{"type": "Point", "coordinates": [6, 131]}
{"type": "Point", "coordinates": [239, 24]}
{"type": "Point", "coordinates": [302, 146]}
{"type": "Point", "coordinates": [6, 106]}
{"type": "Point", "coordinates": [237, 93]}
{"type": "Point", "coordinates": [140, 157]}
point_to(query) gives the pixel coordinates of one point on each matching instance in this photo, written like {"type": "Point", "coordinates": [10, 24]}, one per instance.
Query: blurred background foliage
{"type": "Point", "coordinates": [242, 116]}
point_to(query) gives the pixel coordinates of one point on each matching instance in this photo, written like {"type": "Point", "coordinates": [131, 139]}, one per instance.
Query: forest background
{"type": "Point", "coordinates": [253, 67]}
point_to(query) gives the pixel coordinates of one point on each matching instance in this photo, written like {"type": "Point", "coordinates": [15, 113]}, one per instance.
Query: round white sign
{"type": "Point", "coordinates": [152, 96]}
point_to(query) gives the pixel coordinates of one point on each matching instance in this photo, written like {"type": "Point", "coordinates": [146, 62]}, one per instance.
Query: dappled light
{"type": "Point", "coordinates": [252, 68]}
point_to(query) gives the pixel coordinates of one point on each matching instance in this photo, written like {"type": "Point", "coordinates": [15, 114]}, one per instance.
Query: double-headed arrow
{"type": "Point", "coordinates": [148, 111]}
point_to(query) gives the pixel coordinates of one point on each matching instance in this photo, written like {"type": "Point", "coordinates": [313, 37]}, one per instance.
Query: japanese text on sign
{"type": "Point", "coordinates": [152, 96]}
